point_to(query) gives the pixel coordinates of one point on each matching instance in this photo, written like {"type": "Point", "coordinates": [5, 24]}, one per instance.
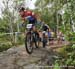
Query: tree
{"type": "Point", "coordinates": [10, 17]}
{"type": "Point", "coordinates": [53, 9]}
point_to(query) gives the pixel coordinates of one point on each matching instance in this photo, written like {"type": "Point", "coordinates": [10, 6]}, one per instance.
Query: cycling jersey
{"type": "Point", "coordinates": [29, 15]}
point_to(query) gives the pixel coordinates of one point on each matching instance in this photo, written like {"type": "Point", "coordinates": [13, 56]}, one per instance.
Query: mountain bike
{"type": "Point", "coordinates": [31, 39]}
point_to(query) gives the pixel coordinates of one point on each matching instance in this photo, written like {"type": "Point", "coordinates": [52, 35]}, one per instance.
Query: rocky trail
{"type": "Point", "coordinates": [17, 58]}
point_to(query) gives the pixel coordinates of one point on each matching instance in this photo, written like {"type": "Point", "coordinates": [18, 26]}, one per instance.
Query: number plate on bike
{"type": "Point", "coordinates": [29, 26]}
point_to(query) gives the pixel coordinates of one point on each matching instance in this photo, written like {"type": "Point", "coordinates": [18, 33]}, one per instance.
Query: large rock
{"type": "Point", "coordinates": [17, 58]}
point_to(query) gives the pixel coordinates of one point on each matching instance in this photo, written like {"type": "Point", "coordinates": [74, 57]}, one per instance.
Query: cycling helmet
{"type": "Point", "coordinates": [21, 9]}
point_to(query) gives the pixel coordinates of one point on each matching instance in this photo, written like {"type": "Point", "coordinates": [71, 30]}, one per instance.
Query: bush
{"type": "Point", "coordinates": [62, 51]}
{"type": "Point", "coordinates": [4, 47]}
{"type": "Point", "coordinates": [68, 54]}
{"type": "Point", "coordinates": [20, 39]}
{"type": "Point", "coordinates": [71, 37]}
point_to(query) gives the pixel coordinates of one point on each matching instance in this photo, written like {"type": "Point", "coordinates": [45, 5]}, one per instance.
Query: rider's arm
{"type": "Point", "coordinates": [47, 26]}
{"type": "Point", "coordinates": [34, 15]}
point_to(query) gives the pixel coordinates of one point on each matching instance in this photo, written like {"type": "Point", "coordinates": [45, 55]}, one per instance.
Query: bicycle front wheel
{"type": "Point", "coordinates": [28, 43]}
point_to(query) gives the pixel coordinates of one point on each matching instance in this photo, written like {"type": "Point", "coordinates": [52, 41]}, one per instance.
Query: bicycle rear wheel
{"type": "Point", "coordinates": [44, 42]}
{"type": "Point", "coordinates": [35, 40]}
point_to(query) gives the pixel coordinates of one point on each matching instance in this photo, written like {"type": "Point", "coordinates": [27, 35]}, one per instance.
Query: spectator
{"type": "Point", "coordinates": [51, 37]}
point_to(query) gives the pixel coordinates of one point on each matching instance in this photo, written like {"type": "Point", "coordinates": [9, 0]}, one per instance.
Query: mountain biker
{"type": "Point", "coordinates": [27, 15]}
{"type": "Point", "coordinates": [30, 17]}
{"type": "Point", "coordinates": [45, 28]}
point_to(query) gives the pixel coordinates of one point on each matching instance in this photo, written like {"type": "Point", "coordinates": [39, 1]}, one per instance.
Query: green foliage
{"type": "Point", "coordinates": [71, 37]}
{"type": "Point", "coordinates": [69, 56]}
{"type": "Point", "coordinates": [4, 25]}
{"type": "Point", "coordinates": [56, 66]}
{"type": "Point", "coordinates": [20, 39]}
{"type": "Point", "coordinates": [50, 17]}
{"type": "Point", "coordinates": [62, 52]}
{"type": "Point", "coordinates": [5, 46]}
{"type": "Point", "coordinates": [73, 46]}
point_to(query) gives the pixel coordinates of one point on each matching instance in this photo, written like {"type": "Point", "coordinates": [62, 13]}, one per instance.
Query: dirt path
{"type": "Point", "coordinates": [17, 58]}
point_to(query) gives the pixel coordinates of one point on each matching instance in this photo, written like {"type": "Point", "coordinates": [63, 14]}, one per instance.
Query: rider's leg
{"type": "Point", "coordinates": [34, 29]}
{"type": "Point", "coordinates": [40, 38]}
{"type": "Point", "coordinates": [35, 39]}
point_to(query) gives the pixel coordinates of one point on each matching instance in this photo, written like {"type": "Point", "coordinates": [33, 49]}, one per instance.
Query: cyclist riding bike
{"type": "Point", "coordinates": [29, 16]}
{"type": "Point", "coordinates": [45, 28]}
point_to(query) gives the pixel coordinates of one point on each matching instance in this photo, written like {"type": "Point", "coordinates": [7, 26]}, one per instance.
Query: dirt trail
{"type": "Point", "coordinates": [17, 58]}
